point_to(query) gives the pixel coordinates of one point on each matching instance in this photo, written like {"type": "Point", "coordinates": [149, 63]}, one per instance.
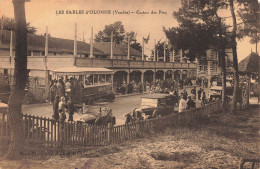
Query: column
{"type": "Point", "coordinates": [164, 52]}
{"type": "Point", "coordinates": [128, 77]}
{"type": "Point", "coordinates": [111, 46]}
{"type": "Point", "coordinates": [91, 44]}
{"type": "Point", "coordinates": [209, 73]}
{"type": "Point", "coordinates": [154, 53]}
{"type": "Point", "coordinates": [154, 76]}
{"type": "Point", "coordinates": [75, 52]}
{"type": "Point", "coordinates": [173, 55]}
{"type": "Point", "coordinates": [112, 81]}
{"type": "Point", "coordinates": [128, 48]}
{"type": "Point", "coordinates": [143, 49]}
{"type": "Point", "coordinates": [164, 75]}
{"type": "Point", "coordinates": [172, 75]}
{"type": "Point", "coordinates": [181, 56]}
{"type": "Point", "coordinates": [142, 80]}
{"type": "Point", "coordinates": [11, 43]}
{"type": "Point", "coordinates": [11, 46]}
{"type": "Point", "coordinates": [181, 74]}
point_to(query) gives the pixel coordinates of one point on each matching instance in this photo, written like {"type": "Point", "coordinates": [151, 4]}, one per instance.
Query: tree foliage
{"type": "Point", "coordinates": [119, 35]}
{"type": "Point", "coordinates": [9, 24]}
{"type": "Point", "coordinates": [249, 12]}
{"type": "Point", "coordinates": [198, 28]}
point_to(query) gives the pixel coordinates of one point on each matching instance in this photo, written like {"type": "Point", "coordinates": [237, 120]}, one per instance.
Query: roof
{"type": "Point", "coordinates": [157, 96]}
{"type": "Point", "coordinates": [216, 88]}
{"type": "Point", "coordinates": [250, 64]}
{"type": "Point", "coordinates": [81, 70]}
{"type": "Point", "coordinates": [37, 42]}
{"type": "Point", "coordinates": [118, 49]}
{"type": "Point", "coordinates": [3, 105]}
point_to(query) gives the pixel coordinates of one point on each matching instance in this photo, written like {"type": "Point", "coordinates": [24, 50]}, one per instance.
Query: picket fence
{"type": "Point", "coordinates": [46, 136]}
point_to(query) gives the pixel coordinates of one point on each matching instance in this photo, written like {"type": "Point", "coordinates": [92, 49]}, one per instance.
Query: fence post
{"type": "Point", "coordinates": [137, 124]}
{"type": "Point", "coordinates": [109, 129]}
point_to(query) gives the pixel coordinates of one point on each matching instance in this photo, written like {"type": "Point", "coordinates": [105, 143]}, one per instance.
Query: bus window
{"type": "Point", "coordinates": [95, 79]}
{"type": "Point", "coordinates": [102, 78]}
{"type": "Point", "coordinates": [89, 80]}
{"type": "Point", "coordinates": [108, 78]}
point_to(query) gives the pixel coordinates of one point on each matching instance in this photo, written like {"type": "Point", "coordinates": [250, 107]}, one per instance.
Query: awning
{"type": "Point", "coordinates": [81, 70]}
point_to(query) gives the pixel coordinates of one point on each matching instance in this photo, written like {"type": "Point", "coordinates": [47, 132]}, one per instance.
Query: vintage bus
{"type": "Point", "coordinates": [94, 83]}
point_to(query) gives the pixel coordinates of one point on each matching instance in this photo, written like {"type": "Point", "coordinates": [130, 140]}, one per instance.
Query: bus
{"type": "Point", "coordinates": [94, 83]}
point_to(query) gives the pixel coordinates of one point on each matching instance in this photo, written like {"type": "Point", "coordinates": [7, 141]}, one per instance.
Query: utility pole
{"type": "Point", "coordinates": [111, 49]}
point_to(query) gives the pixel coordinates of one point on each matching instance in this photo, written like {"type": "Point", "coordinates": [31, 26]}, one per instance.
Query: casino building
{"type": "Point", "coordinates": [46, 53]}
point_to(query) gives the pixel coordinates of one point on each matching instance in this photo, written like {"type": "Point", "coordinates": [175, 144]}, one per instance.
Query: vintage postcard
{"type": "Point", "coordinates": [129, 84]}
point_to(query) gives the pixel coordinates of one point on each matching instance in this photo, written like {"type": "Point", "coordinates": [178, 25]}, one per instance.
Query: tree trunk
{"type": "Point", "coordinates": [235, 61]}
{"type": "Point", "coordinates": [224, 79]}
{"type": "Point", "coordinates": [222, 59]}
{"type": "Point", "coordinates": [20, 77]}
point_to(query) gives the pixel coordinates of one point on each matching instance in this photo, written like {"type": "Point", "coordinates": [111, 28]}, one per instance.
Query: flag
{"type": "Point", "coordinates": [147, 39]}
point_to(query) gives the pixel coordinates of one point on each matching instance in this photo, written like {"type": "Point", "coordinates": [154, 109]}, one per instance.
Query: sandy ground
{"type": "Point", "coordinates": [221, 141]}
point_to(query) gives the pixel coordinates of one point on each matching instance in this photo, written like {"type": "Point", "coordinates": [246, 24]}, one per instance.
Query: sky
{"type": "Point", "coordinates": [43, 13]}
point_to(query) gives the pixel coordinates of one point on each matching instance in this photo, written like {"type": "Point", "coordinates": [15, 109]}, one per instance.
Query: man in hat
{"type": "Point", "coordinates": [190, 104]}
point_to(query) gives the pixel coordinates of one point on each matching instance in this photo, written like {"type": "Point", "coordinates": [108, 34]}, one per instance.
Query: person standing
{"type": "Point", "coordinates": [182, 104]}
{"type": "Point", "coordinates": [68, 87]}
{"type": "Point", "coordinates": [62, 109]}
{"type": "Point", "coordinates": [60, 89]}
{"type": "Point", "coordinates": [56, 108]}
{"type": "Point", "coordinates": [190, 104]}
{"type": "Point", "coordinates": [199, 93]}
{"type": "Point", "coordinates": [53, 91]}
{"type": "Point", "coordinates": [70, 106]}
{"type": "Point", "coordinates": [203, 100]}
{"type": "Point", "coordinates": [194, 92]}
{"type": "Point", "coordinates": [185, 94]}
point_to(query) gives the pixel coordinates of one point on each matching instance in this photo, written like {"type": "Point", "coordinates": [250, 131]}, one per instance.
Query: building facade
{"type": "Point", "coordinates": [49, 53]}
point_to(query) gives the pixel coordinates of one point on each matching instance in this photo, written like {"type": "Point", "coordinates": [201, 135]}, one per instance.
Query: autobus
{"type": "Point", "coordinates": [94, 83]}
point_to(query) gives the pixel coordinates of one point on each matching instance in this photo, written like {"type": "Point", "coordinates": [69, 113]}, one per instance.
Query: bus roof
{"type": "Point", "coordinates": [81, 70]}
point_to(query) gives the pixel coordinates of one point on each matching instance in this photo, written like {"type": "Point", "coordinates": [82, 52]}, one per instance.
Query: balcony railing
{"type": "Point", "coordinates": [52, 62]}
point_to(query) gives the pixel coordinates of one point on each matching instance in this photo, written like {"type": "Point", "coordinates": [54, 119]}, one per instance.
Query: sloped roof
{"type": "Point", "coordinates": [250, 64]}
{"type": "Point", "coordinates": [118, 49]}
{"type": "Point", "coordinates": [37, 42]}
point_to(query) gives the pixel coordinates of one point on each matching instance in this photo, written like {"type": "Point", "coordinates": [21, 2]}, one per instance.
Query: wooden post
{"type": "Point", "coordinates": [109, 129]}
{"type": "Point", "coordinates": [128, 48]}
{"type": "Point", "coordinates": [143, 49]}
{"type": "Point", "coordinates": [75, 53]}
{"type": "Point", "coordinates": [111, 45]}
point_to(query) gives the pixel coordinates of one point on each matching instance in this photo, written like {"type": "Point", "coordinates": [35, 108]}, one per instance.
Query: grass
{"type": "Point", "coordinates": [219, 141]}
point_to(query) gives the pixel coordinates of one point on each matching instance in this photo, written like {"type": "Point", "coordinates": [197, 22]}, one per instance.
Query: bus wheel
{"type": "Point", "coordinates": [91, 101]}
{"type": "Point", "coordinates": [111, 97]}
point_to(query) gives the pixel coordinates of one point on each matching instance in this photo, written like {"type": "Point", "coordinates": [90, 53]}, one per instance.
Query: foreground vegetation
{"type": "Point", "coordinates": [220, 141]}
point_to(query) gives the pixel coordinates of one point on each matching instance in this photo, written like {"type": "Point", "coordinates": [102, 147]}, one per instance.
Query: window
{"type": "Point", "coordinates": [89, 80]}
{"type": "Point", "coordinates": [95, 78]}
{"type": "Point", "coordinates": [108, 78]}
{"type": "Point", "coordinates": [28, 53]}
{"type": "Point", "coordinates": [102, 78]}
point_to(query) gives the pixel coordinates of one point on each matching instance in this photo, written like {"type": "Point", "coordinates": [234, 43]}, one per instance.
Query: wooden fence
{"type": "Point", "coordinates": [46, 136]}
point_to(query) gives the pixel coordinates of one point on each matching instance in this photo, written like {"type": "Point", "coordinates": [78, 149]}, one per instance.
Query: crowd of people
{"type": "Point", "coordinates": [63, 96]}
